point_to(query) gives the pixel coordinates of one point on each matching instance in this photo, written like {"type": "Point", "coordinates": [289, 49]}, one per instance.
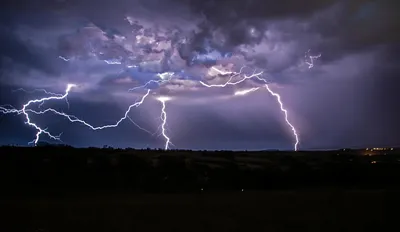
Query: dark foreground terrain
{"type": "Point", "coordinates": [317, 210]}
{"type": "Point", "coordinates": [66, 189]}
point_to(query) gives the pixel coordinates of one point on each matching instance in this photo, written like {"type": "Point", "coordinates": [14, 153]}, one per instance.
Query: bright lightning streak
{"type": "Point", "coordinates": [223, 72]}
{"type": "Point", "coordinates": [165, 75]}
{"type": "Point", "coordinates": [234, 74]}
{"type": "Point", "coordinates": [278, 98]}
{"type": "Point", "coordinates": [246, 91]}
{"type": "Point", "coordinates": [64, 59]}
{"type": "Point", "coordinates": [164, 121]}
{"type": "Point", "coordinates": [112, 62]}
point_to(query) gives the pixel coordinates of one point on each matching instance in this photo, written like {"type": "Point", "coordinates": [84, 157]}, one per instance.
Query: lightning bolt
{"type": "Point", "coordinates": [164, 77]}
{"type": "Point", "coordinates": [112, 62]}
{"type": "Point", "coordinates": [247, 91]}
{"type": "Point", "coordinates": [44, 91]}
{"type": "Point", "coordinates": [40, 130]}
{"type": "Point", "coordinates": [7, 109]}
{"type": "Point", "coordinates": [233, 75]}
{"type": "Point", "coordinates": [224, 72]}
{"type": "Point", "coordinates": [138, 126]}
{"type": "Point", "coordinates": [37, 90]}
{"type": "Point", "coordinates": [73, 118]}
{"type": "Point", "coordinates": [278, 98]}
{"type": "Point", "coordinates": [64, 59]}
{"type": "Point", "coordinates": [163, 117]}
{"type": "Point", "coordinates": [311, 58]}
{"type": "Point", "coordinates": [28, 121]}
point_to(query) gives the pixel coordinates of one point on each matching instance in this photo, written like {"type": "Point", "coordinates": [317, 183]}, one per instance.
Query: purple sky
{"type": "Point", "coordinates": [348, 99]}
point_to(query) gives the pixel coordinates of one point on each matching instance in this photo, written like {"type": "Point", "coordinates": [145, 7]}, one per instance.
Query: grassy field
{"type": "Point", "coordinates": [319, 210]}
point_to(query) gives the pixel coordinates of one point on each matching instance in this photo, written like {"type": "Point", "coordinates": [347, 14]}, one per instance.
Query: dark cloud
{"type": "Point", "coordinates": [235, 10]}
{"type": "Point", "coordinates": [22, 52]}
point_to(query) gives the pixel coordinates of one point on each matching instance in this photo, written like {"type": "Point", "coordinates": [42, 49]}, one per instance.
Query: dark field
{"type": "Point", "coordinates": [66, 189]}
{"type": "Point", "coordinates": [311, 210]}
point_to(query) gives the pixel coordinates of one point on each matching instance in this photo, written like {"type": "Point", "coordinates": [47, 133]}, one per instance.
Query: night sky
{"type": "Point", "coordinates": [349, 98]}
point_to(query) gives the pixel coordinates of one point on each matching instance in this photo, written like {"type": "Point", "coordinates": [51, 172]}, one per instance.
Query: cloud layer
{"type": "Point", "coordinates": [108, 47]}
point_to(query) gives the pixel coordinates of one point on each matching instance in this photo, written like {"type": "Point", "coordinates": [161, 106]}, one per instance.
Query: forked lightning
{"type": "Point", "coordinates": [71, 118]}
{"type": "Point", "coordinates": [247, 91]}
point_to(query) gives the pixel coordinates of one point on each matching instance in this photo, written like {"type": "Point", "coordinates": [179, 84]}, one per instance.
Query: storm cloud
{"type": "Point", "coordinates": [108, 47]}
